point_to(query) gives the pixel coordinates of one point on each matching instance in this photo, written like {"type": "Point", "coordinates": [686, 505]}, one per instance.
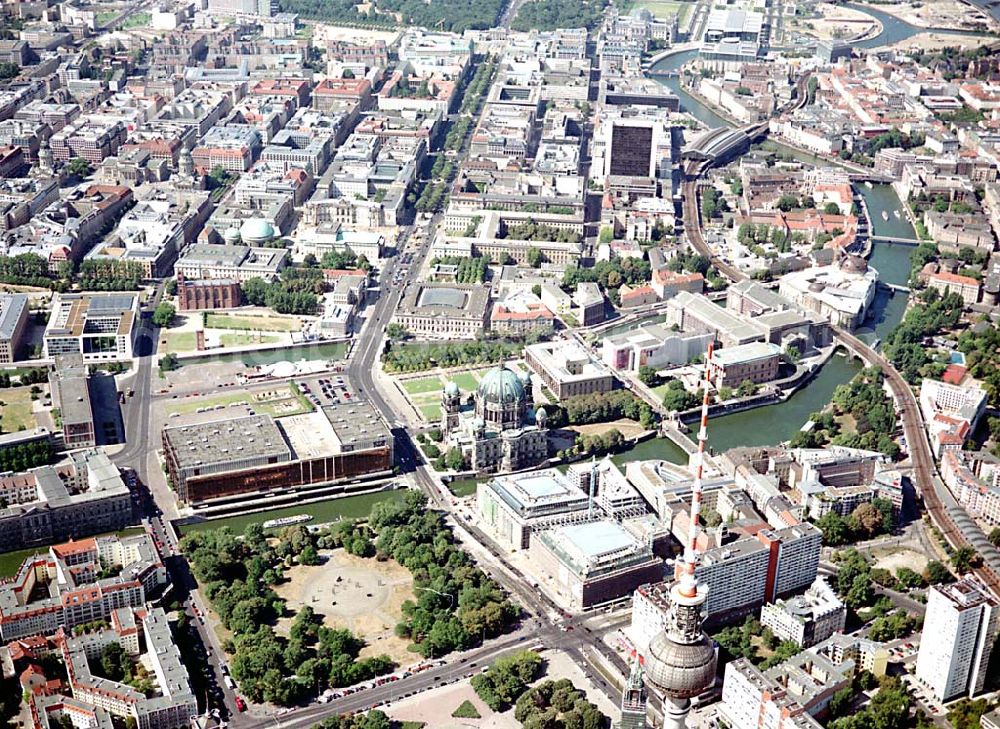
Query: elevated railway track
{"type": "Point", "coordinates": [955, 525]}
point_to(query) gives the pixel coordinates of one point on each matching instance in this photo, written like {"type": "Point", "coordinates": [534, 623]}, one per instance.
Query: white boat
{"type": "Point", "coordinates": [896, 213]}
{"type": "Point", "coordinates": [287, 521]}
{"type": "Point", "coordinates": [885, 215]}
{"type": "Point", "coordinates": [868, 184]}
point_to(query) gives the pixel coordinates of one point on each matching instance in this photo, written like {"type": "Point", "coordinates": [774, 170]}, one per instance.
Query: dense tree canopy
{"type": "Point", "coordinates": [23, 456]}
{"type": "Point", "coordinates": [554, 14]}
{"type": "Point", "coordinates": [931, 315]}
{"type": "Point", "coordinates": [417, 357]}
{"type": "Point", "coordinates": [503, 682]}
{"type": "Point", "coordinates": [457, 605]}
{"type": "Point", "coordinates": [449, 15]}
{"type": "Point", "coordinates": [558, 705]}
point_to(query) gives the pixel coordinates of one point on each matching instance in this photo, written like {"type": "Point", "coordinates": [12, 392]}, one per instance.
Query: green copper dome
{"type": "Point", "coordinates": [256, 230]}
{"type": "Point", "coordinates": [501, 386]}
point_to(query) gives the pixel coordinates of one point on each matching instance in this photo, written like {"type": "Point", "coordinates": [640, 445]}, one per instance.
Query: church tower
{"type": "Point", "coordinates": [634, 699]}
{"type": "Point", "coordinates": [451, 403]}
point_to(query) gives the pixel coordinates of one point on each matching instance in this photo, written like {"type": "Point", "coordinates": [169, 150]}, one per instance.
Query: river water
{"type": "Point", "coordinates": [776, 423]}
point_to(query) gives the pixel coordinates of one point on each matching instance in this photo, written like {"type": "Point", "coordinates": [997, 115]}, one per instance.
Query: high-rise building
{"type": "Point", "coordinates": [264, 8]}
{"type": "Point", "coordinates": [963, 619]}
{"type": "Point", "coordinates": [632, 147]}
{"type": "Point", "coordinates": [634, 699]}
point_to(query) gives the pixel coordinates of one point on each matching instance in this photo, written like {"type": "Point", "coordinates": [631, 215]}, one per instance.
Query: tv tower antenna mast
{"type": "Point", "coordinates": [682, 659]}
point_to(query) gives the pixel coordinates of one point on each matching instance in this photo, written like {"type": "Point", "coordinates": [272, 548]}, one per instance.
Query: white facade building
{"type": "Point", "coordinates": [961, 623]}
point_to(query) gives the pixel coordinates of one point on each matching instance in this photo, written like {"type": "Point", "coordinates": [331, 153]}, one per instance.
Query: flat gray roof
{"type": "Point", "coordinates": [224, 441]}
{"type": "Point", "coordinates": [73, 396]}
{"type": "Point", "coordinates": [12, 308]}
{"type": "Point", "coordinates": [207, 253]}
{"type": "Point", "coordinates": [357, 425]}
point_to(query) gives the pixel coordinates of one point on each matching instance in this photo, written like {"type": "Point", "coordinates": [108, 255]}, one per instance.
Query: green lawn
{"type": "Point", "coordinates": [105, 17]}
{"type": "Point", "coordinates": [15, 413]}
{"type": "Point", "coordinates": [663, 9]}
{"type": "Point", "coordinates": [466, 710]}
{"type": "Point", "coordinates": [430, 411]}
{"type": "Point", "coordinates": [252, 323]}
{"type": "Point", "coordinates": [464, 487]}
{"type": "Point", "coordinates": [661, 391]}
{"type": "Point", "coordinates": [466, 380]}
{"type": "Point", "coordinates": [139, 20]}
{"type": "Point", "coordinates": [422, 385]}
{"type": "Point", "coordinates": [347, 507]}
{"type": "Point", "coordinates": [241, 340]}
{"type": "Point", "coordinates": [181, 342]}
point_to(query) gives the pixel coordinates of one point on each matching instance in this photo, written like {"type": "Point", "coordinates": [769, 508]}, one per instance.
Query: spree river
{"type": "Point", "coordinates": [776, 423]}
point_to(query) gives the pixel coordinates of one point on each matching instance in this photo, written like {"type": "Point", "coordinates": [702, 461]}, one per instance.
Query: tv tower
{"type": "Point", "coordinates": [682, 659]}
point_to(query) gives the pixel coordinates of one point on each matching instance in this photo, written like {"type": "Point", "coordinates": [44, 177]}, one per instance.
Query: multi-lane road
{"type": "Point", "coordinates": [542, 621]}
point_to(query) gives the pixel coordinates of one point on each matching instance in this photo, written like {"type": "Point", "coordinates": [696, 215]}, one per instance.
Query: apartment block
{"type": "Point", "coordinates": [64, 587]}
{"type": "Point", "coordinates": [963, 619]}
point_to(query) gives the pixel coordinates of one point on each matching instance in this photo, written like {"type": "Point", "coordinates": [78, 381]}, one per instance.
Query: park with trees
{"type": "Point", "coordinates": [458, 605]}
{"type": "Point", "coordinates": [553, 14]}
{"type": "Point", "coordinates": [930, 314]}
{"type": "Point", "coordinates": [295, 292]}
{"type": "Point", "coordinates": [601, 407]}
{"type": "Point", "coordinates": [865, 408]}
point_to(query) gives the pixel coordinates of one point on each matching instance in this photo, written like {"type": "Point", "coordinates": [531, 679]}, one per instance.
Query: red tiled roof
{"type": "Point", "coordinates": [954, 374]}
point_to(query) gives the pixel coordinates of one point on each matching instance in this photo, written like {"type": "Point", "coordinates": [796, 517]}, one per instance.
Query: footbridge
{"type": "Point", "coordinates": [896, 239]}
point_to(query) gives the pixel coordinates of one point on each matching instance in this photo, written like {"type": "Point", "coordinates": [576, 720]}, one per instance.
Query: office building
{"type": "Point", "coordinates": [93, 138]}
{"type": "Point", "coordinates": [741, 576]}
{"type": "Point", "coordinates": [53, 503]}
{"type": "Point", "coordinates": [631, 148]}
{"type": "Point", "coordinates": [513, 508]}
{"type": "Point", "coordinates": [960, 625]}
{"type": "Point", "coordinates": [99, 327]}
{"type": "Point", "coordinates": [69, 383]}
{"type": "Point", "coordinates": [261, 8]}
{"type": "Point", "coordinates": [13, 322]}
{"type": "Point", "coordinates": [568, 369]}
{"type": "Point", "coordinates": [593, 562]}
